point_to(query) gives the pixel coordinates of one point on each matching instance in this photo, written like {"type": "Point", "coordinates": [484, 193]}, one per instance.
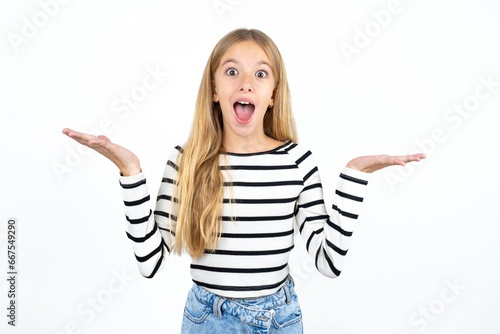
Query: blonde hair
{"type": "Point", "coordinates": [200, 184]}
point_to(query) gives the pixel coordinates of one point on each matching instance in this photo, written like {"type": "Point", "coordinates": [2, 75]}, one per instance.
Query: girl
{"type": "Point", "coordinates": [233, 194]}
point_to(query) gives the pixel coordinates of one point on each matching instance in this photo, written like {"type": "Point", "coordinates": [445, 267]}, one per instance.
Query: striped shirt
{"type": "Point", "coordinates": [267, 195]}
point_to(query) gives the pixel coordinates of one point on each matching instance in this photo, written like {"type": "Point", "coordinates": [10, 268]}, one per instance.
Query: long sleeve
{"type": "Point", "coordinates": [152, 232]}
{"type": "Point", "coordinates": [265, 194]}
{"type": "Point", "coordinates": [327, 237]}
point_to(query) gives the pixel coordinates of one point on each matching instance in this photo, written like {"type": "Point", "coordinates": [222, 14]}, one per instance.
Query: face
{"type": "Point", "coordinates": [243, 86]}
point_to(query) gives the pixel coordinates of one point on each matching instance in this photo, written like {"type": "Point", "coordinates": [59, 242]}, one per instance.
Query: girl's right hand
{"type": "Point", "coordinates": [126, 161]}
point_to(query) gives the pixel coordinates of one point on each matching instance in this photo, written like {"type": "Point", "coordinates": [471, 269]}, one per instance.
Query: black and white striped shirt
{"type": "Point", "coordinates": [266, 196]}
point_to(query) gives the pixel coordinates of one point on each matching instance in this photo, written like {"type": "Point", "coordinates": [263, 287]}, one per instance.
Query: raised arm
{"type": "Point", "coordinates": [372, 163]}
{"type": "Point", "coordinates": [327, 236]}
{"type": "Point", "coordinates": [151, 233]}
{"type": "Point", "coordinates": [126, 161]}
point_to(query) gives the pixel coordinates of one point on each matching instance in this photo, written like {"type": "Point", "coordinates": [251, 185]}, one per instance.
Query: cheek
{"type": "Point", "coordinates": [223, 92]}
{"type": "Point", "coordinates": [226, 107]}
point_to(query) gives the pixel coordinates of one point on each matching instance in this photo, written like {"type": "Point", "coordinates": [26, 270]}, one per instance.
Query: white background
{"type": "Point", "coordinates": [425, 255]}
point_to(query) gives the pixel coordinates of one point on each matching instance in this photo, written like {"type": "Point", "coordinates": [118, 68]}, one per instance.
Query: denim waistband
{"type": "Point", "coordinates": [254, 311]}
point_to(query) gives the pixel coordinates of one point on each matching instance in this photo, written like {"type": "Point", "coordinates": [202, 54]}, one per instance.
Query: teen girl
{"type": "Point", "coordinates": [233, 194]}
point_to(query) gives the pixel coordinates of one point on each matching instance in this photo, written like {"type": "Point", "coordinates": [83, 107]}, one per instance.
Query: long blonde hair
{"type": "Point", "coordinates": [200, 184]}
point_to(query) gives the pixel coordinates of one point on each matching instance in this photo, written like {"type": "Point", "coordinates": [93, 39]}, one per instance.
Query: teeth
{"type": "Point", "coordinates": [243, 102]}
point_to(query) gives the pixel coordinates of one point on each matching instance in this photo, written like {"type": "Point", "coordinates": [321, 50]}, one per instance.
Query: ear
{"type": "Point", "coordinates": [215, 97]}
{"type": "Point", "coordinates": [271, 101]}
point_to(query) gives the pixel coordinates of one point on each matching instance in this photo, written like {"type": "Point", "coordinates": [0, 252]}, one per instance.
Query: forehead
{"type": "Point", "coordinates": [247, 52]}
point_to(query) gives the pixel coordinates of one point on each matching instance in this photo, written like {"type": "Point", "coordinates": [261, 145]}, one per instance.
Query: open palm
{"type": "Point", "coordinates": [125, 160]}
{"type": "Point", "coordinates": [372, 163]}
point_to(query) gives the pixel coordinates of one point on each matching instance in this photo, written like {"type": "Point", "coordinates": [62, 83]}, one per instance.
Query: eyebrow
{"type": "Point", "coordinates": [232, 60]}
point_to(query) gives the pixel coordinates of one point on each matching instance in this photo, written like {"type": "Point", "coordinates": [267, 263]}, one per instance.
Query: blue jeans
{"type": "Point", "coordinates": [208, 313]}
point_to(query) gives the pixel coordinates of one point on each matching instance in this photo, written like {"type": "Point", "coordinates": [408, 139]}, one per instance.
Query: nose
{"type": "Point", "coordinates": [246, 83]}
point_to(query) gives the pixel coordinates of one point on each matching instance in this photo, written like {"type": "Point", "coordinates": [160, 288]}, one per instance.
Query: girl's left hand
{"type": "Point", "coordinates": [372, 163]}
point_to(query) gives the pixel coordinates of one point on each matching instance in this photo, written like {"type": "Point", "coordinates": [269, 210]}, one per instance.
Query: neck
{"type": "Point", "coordinates": [249, 145]}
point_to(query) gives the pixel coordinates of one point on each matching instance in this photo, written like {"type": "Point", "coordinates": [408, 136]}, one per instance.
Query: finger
{"type": "Point", "coordinates": [421, 156]}
{"type": "Point", "coordinates": [84, 138]}
{"type": "Point", "coordinates": [104, 141]}
{"type": "Point", "coordinates": [103, 137]}
{"type": "Point", "coordinates": [399, 162]}
{"type": "Point", "coordinates": [387, 160]}
{"type": "Point", "coordinates": [69, 132]}
{"type": "Point", "coordinates": [403, 159]}
{"type": "Point", "coordinates": [91, 141]}
{"type": "Point", "coordinates": [415, 157]}
{"type": "Point", "coordinates": [77, 135]}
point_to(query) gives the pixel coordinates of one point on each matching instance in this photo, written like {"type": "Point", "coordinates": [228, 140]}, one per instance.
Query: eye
{"type": "Point", "coordinates": [231, 72]}
{"type": "Point", "coordinates": [261, 74]}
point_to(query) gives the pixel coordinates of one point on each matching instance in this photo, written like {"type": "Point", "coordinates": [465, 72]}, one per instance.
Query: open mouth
{"type": "Point", "coordinates": [244, 111]}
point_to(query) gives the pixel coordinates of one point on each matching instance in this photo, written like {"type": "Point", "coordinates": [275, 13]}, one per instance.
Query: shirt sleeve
{"type": "Point", "coordinates": [327, 236]}
{"type": "Point", "coordinates": [152, 233]}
